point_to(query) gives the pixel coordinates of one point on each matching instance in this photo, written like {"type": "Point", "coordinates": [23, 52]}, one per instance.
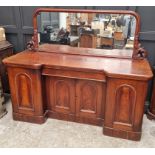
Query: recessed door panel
{"type": "Point", "coordinates": [62, 95]}
{"type": "Point", "coordinates": [24, 91]}
{"type": "Point", "coordinates": [89, 99]}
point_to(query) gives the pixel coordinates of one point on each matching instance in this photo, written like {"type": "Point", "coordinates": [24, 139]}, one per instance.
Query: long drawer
{"type": "Point", "coordinates": [96, 76]}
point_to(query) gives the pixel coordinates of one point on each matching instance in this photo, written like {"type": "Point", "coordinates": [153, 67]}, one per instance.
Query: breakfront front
{"type": "Point", "coordinates": [83, 66]}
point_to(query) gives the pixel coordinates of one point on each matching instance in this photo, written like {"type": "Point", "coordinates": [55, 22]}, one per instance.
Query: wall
{"type": "Point", "coordinates": [18, 24]}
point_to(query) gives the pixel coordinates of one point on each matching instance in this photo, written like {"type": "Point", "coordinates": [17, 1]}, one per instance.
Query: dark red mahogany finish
{"type": "Point", "coordinates": [99, 87]}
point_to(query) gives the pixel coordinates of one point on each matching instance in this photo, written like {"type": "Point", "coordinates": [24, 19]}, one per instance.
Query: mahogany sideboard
{"type": "Point", "coordinates": [95, 87]}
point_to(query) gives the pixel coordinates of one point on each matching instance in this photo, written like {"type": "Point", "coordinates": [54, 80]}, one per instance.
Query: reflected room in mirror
{"type": "Point", "coordinates": [90, 30]}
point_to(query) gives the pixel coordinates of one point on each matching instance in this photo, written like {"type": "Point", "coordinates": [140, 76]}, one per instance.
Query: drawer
{"type": "Point", "coordinates": [96, 76]}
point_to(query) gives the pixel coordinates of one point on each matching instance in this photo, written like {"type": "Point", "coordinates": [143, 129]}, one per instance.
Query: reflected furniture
{"type": "Point", "coordinates": [119, 40]}
{"type": "Point", "coordinates": [88, 40]}
{"type": "Point", "coordinates": [107, 41]}
{"type": "Point", "coordinates": [74, 30]}
{"type": "Point", "coordinates": [94, 86]}
{"type": "Point", "coordinates": [74, 41]}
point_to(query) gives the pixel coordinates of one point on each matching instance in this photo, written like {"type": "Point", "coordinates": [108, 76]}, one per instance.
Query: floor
{"type": "Point", "coordinates": [56, 133]}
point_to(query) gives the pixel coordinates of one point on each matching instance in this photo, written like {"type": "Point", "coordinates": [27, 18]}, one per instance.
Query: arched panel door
{"type": "Point", "coordinates": [62, 95]}
{"type": "Point", "coordinates": [90, 101]}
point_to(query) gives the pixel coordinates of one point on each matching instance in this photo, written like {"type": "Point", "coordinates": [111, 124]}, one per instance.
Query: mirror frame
{"type": "Point", "coordinates": [138, 52]}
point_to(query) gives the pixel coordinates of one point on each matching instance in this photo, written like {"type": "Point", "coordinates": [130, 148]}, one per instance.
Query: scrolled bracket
{"type": "Point", "coordinates": [140, 53]}
{"type": "Point", "coordinates": [31, 44]}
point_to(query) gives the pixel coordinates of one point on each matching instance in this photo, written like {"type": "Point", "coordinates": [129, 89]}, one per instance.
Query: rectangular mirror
{"type": "Point", "coordinates": [90, 30]}
{"type": "Point", "coordinates": [112, 33]}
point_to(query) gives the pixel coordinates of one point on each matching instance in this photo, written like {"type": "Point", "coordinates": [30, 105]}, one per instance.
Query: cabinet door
{"type": "Point", "coordinates": [125, 104]}
{"type": "Point", "coordinates": [62, 95]}
{"type": "Point", "coordinates": [26, 92]}
{"type": "Point", "coordinates": [89, 99]}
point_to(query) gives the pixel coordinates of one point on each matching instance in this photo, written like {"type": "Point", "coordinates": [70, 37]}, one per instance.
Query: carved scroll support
{"type": "Point", "coordinates": [140, 53]}
{"type": "Point", "coordinates": [31, 44]}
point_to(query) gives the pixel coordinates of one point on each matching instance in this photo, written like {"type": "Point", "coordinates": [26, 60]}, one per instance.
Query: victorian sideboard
{"type": "Point", "coordinates": [83, 85]}
{"type": "Point", "coordinates": [95, 86]}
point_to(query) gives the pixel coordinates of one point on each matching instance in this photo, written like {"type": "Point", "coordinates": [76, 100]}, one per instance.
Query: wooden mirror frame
{"type": "Point", "coordinates": [138, 52]}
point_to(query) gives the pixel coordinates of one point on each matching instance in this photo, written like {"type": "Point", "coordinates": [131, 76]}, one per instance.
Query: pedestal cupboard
{"type": "Point", "coordinates": [108, 92]}
{"type": "Point", "coordinates": [94, 86]}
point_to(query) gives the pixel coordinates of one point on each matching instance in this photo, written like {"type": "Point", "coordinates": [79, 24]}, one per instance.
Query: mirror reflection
{"type": "Point", "coordinates": [102, 31]}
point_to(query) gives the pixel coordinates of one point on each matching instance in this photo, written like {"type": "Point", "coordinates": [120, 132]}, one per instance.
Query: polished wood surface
{"type": "Point", "coordinates": [112, 53]}
{"type": "Point", "coordinates": [124, 108]}
{"type": "Point", "coordinates": [80, 87]}
{"type": "Point", "coordinates": [58, 57]}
